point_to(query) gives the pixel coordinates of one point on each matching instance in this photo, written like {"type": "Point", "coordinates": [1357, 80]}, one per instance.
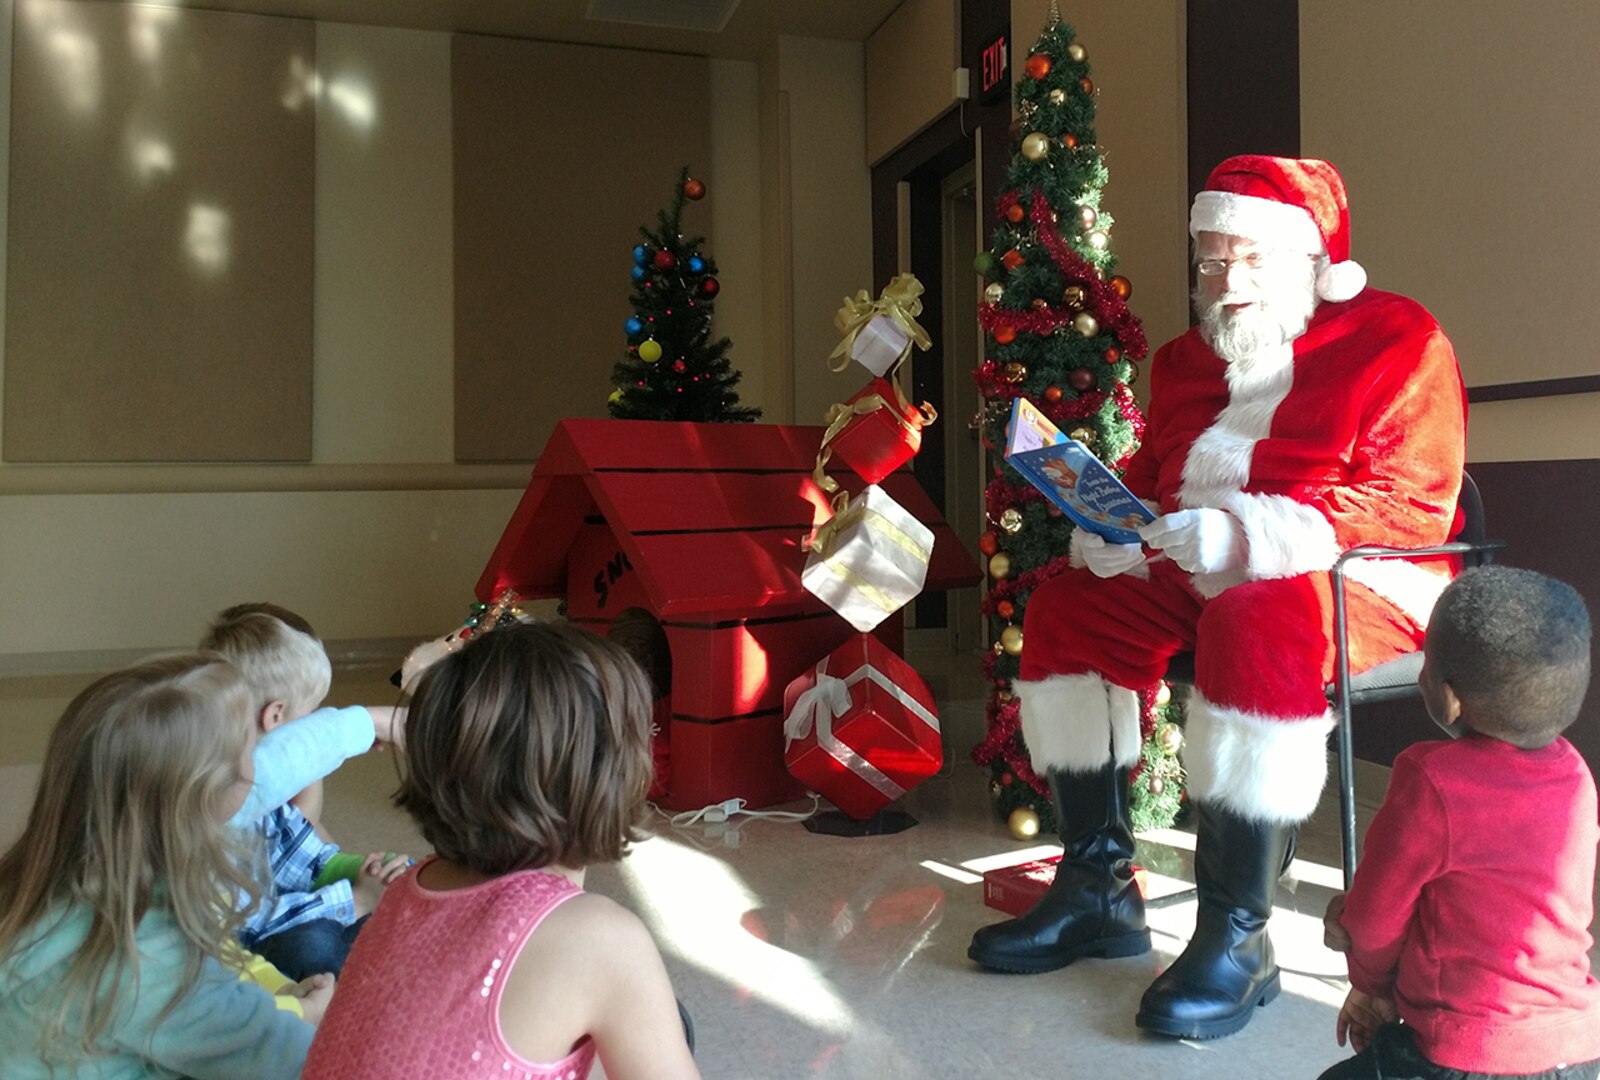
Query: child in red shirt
{"type": "Point", "coordinates": [1466, 929]}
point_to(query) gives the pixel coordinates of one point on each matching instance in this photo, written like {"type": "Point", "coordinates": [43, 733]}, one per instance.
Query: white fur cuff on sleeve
{"type": "Point", "coordinates": [1285, 537]}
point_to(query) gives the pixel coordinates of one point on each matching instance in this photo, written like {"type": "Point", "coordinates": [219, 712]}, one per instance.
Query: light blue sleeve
{"type": "Point", "coordinates": [221, 1029]}
{"type": "Point", "coordinates": [294, 755]}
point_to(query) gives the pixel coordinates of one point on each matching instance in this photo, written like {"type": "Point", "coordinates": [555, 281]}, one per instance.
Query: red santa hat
{"type": "Point", "coordinates": [1296, 205]}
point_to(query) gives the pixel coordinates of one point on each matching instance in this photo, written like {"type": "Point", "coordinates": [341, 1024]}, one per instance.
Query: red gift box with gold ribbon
{"type": "Point", "coordinates": [876, 431]}
{"type": "Point", "coordinates": [861, 728]}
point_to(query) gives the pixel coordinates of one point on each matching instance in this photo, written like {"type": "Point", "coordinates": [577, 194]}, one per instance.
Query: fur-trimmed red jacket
{"type": "Point", "coordinates": [1353, 434]}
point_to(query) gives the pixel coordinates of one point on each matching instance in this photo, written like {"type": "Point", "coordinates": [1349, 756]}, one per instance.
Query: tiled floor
{"type": "Point", "coordinates": [802, 955]}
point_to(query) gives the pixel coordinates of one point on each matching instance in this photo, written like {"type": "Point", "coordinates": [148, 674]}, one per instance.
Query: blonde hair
{"type": "Point", "coordinates": [529, 747]}
{"type": "Point", "coordinates": [127, 819]}
{"type": "Point", "coordinates": [277, 650]}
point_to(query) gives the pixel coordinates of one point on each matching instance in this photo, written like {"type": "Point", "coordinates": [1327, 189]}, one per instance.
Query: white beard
{"type": "Point", "coordinates": [1279, 314]}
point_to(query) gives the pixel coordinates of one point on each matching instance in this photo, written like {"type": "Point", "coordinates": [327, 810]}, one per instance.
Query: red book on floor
{"type": "Point", "coordinates": [1015, 889]}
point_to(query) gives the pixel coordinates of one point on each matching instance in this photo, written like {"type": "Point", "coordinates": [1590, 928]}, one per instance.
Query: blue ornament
{"type": "Point", "coordinates": [640, 273]}
{"type": "Point", "coordinates": [696, 264]}
{"type": "Point", "coordinates": [633, 326]}
{"type": "Point", "coordinates": [641, 254]}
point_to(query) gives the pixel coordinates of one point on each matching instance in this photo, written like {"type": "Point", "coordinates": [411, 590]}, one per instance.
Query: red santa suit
{"type": "Point", "coordinates": [1352, 434]}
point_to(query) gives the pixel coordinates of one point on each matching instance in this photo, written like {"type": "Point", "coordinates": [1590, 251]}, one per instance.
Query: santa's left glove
{"type": "Point", "coordinates": [1202, 541]}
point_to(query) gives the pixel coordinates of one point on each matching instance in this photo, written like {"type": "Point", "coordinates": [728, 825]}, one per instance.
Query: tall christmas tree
{"type": "Point", "coordinates": [1061, 335]}
{"type": "Point", "coordinates": [672, 370]}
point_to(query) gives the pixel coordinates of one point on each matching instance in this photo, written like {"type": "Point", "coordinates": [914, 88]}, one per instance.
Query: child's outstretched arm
{"type": "Point", "coordinates": [291, 756]}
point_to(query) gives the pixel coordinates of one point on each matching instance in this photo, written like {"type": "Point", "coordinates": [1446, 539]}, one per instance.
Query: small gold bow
{"type": "Point", "coordinates": [899, 301]}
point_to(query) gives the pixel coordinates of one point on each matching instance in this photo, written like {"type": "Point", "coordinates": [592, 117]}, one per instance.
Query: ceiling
{"type": "Point", "coordinates": [753, 25]}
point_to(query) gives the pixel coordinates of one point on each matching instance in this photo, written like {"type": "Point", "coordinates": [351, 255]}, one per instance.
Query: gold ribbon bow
{"type": "Point", "coordinates": [899, 301]}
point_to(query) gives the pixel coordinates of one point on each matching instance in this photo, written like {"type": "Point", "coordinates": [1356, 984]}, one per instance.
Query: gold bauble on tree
{"type": "Point", "coordinates": [1074, 297]}
{"type": "Point", "coordinates": [1036, 146]}
{"type": "Point", "coordinates": [1084, 434]}
{"type": "Point", "coordinates": [1000, 564]}
{"type": "Point", "coordinates": [993, 292]}
{"type": "Point", "coordinates": [1086, 324]}
{"type": "Point", "coordinates": [1016, 372]}
{"type": "Point", "coordinates": [1058, 96]}
{"type": "Point", "coordinates": [1011, 640]}
{"type": "Point", "coordinates": [1163, 695]}
{"type": "Point", "coordinates": [1087, 216]}
{"type": "Point", "coordinates": [1011, 520]}
{"type": "Point", "coordinates": [1023, 823]}
{"type": "Point", "coordinates": [1077, 52]}
{"type": "Point", "coordinates": [1157, 785]}
{"type": "Point", "coordinates": [1098, 240]}
{"type": "Point", "coordinates": [1171, 739]}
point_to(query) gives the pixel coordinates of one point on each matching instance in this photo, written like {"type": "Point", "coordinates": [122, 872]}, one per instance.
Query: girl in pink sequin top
{"type": "Point", "coordinates": [527, 759]}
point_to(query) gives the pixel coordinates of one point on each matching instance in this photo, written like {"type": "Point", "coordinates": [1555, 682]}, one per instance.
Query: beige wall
{"type": "Point", "coordinates": [911, 60]}
{"type": "Point", "coordinates": [1471, 166]}
{"type": "Point", "coordinates": [1138, 69]}
{"type": "Point", "coordinates": [382, 536]}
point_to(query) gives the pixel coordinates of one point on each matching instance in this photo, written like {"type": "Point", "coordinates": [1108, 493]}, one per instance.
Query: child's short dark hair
{"type": "Point", "coordinates": [529, 747]}
{"type": "Point", "coordinates": [641, 636]}
{"type": "Point", "coordinates": [1514, 646]}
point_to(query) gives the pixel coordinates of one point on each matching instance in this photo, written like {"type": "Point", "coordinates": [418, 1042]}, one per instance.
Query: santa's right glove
{"type": "Point", "coordinates": [1104, 559]}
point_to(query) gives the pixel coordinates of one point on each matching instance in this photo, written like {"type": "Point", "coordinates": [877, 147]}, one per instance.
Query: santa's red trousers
{"type": "Point", "coordinates": [1262, 647]}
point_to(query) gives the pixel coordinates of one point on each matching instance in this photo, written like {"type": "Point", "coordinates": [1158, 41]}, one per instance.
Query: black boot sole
{"type": "Point", "coordinates": [1209, 1029]}
{"type": "Point", "coordinates": [1134, 944]}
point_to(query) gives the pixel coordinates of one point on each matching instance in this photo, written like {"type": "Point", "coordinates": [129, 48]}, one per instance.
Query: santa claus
{"type": "Point", "coordinates": [1305, 415]}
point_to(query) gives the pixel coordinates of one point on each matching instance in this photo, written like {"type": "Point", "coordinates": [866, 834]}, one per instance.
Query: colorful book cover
{"type": "Point", "coordinates": [1072, 477]}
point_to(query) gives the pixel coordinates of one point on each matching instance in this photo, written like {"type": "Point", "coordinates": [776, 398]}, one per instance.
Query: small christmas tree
{"type": "Point", "coordinates": [1061, 335]}
{"type": "Point", "coordinates": [672, 371]}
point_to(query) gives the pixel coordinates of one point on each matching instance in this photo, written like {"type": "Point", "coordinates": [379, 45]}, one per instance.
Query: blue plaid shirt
{"type": "Point", "coordinates": [296, 853]}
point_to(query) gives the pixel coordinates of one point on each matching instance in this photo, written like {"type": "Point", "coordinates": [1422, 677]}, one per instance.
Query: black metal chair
{"type": "Point", "coordinates": [1392, 680]}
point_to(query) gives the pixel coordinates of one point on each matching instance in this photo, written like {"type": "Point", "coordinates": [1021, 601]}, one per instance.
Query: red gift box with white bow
{"type": "Point", "coordinates": [861, 728]}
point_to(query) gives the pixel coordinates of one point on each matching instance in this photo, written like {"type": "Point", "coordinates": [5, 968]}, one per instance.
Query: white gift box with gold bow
{"type": "Point", "coordinates": [880, 345]}
{"type": "Point", "coordinates": [870, 560]}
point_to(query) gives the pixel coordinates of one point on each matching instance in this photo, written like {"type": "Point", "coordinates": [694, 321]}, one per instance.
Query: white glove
{"type": "Point", "coordinates": [1203, 541]}
{"type": "Point", "coordinates": [1103, 559]}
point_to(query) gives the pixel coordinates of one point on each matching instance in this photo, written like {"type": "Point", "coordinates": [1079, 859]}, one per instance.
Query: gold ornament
{"type": "Point", "coordinates": [1011, 640]}
{"type": "Point", "coordinates": [1098, 240]}
{"type": "Point", "coordinates": [998, 648]}
{"type": "Point", "coordinates": [1086, 324]}
{"type": "Point", "coordinates": [1040, 303]}
{"type": "Point", "coordinates": [1036, 146]}
{"type": "Point", "coordinates": [1004, 697]}
{"type": "Point", "coordinates": [614, 397]}
{"type": "Point", "coordinates": [993, 292]}
{"type": "Point", "coordinates": [1011, 520]}
{"type": "Point", "coordinates": [1171, 739]}
{"type": "Point", "coordinates": [1157, 785]}
{"type": "Point", "coordinates": [1027, 109]}
{"type": "Point", "coordinates": [1023, 823]}
{"type": "Point", "coordinates": [1077, 52]}
{"type": "Point", "coordinates": [1000, 564]}
{"type": "Point", "coordinates": [1163, 695]}
{"type": "Point", "coordinates": [1074, 297]}
{"type": "Point", "coordinates": [1058, 96]}
{"type": "Point", "coordinates": [1087, 216]}
{"type": "Point", "coordinates": [1084, 434]}
{"type": "Point", "coordinates": [650, 351]}
{"type": "Point", "coordinates": [1016, 372]}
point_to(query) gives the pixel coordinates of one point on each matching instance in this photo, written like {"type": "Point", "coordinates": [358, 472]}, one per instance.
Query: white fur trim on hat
{"type": "Point", "coordinates": [1260, 768]}
{"type": "Point", "coordinates": [1338, 282]}
{"type": "Point", "coordinates": [1266, 221]}
{"type": "Point", "coordinates": [1068, 724]}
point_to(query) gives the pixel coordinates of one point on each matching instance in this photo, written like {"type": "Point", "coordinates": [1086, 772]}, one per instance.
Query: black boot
{"type": "Point", "coordinates": [1227, 970]}
{"type": "Point", "coordinates": [1093, 908]}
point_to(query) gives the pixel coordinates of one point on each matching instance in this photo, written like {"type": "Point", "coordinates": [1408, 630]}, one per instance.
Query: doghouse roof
{"type": "Point", "coordinates": [710, 515]}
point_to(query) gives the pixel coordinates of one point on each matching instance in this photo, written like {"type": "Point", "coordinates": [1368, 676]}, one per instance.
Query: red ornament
{"type": "Point", "coordinates": [1038, 66]}
{"type": "Point", "coordinates": [679, 365]}
{"type": "Point", "coordinates": [1052, 394]}
{"type": "Point", "coordinates": [1015, 213]}
{"type": "Point", "coordinates": [1005, 335]}
{"type": "Point", "coordinates": [708, 287]}
{"type": "Point", "coordinates": [1113, 354]}
{"type": "Point", "coordinates": [989, 543]}
{"type": "Point", "coordinates": [1070, 141]}
{"type": "Point", "coordinates": [1082, 378]}
{"type": "Point", "coordinates": [1122, 286]}
{"type": "Point", "coordinates": [694, 189]}
{"type": "Point", "coordinates": [1005, 609]}
{"type": "Point", "coordinates": [664, 260]}
{"type": "Point", "coordinates": [1087, 84]}
{"type": "Point", "coordinates": [1006, 779]}
{"type": "Point", "coordinates": [1011, 259]}
{"type": "Point", "coordinates": [466, 632]}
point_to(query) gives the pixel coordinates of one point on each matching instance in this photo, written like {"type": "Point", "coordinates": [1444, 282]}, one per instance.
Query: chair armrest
{"type": "Point", "coordinates": [1455, 547]}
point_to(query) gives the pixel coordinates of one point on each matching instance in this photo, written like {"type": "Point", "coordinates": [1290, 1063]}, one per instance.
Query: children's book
{"type": "Point", "coordinates": [1072, 477]}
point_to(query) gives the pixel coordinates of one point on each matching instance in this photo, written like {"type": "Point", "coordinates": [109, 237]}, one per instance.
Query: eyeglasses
{"type": "Point", "coordinates": [1255, 260]}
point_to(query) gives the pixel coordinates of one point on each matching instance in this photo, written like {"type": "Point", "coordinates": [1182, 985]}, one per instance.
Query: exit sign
{"type": "Point", "coordinates": [995, 68]}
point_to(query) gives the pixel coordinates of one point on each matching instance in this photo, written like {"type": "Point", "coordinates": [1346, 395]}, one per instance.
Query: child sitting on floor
{"type": "Point", "coordinates": [527, 759]}
{"type": "Point", "coordinates": [1468, 919]}
{"type": "Point", "coordinates": [117, 904]}
{"type": "Point", "coordinates": [316, 905]}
